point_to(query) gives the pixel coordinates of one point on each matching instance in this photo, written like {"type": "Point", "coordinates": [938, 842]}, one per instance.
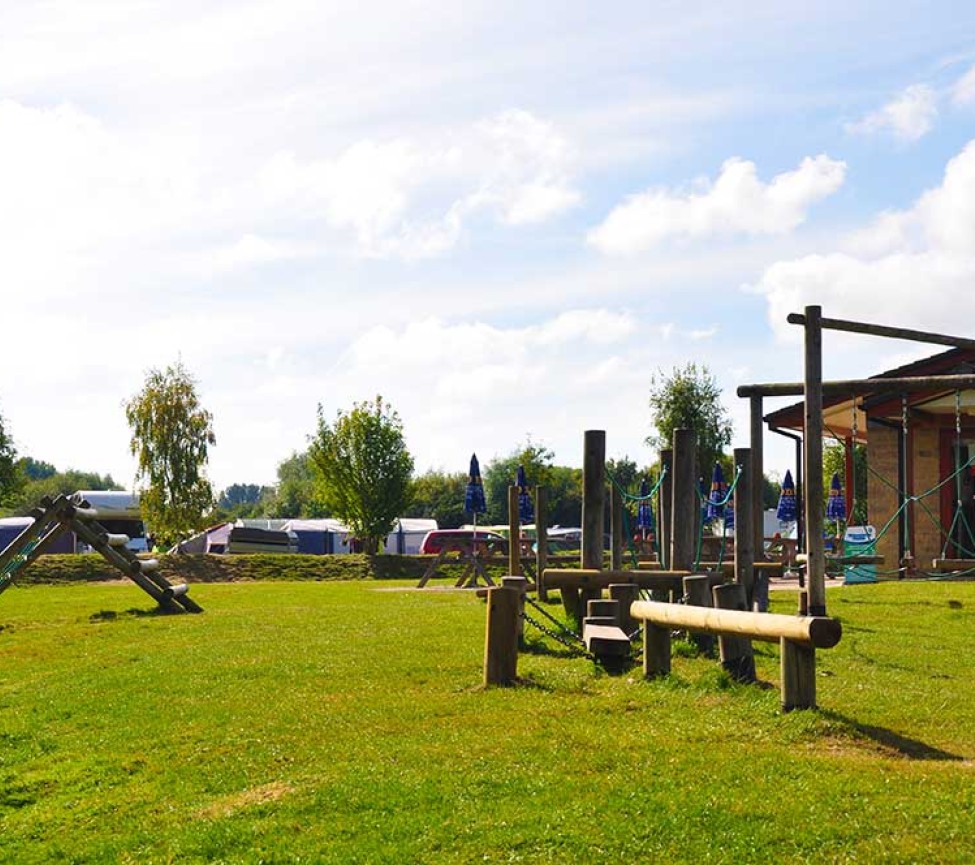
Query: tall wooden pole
{"type": "Point", "coordinates": [541, 540]}
{"type": "Point", "coordinates": [815, 549]}
{"type": "Point", "coordinates": [514, 533]}
{"type": "Point", "coordinates": [758, 478]}
{"type": "Point", "coordinates": [593, 498]}
{"type": "Point", "coordinates": [665, 506]}
{"type": "Point", "coordinates": [684, 508]}
{"type": "Point", "coordinates": [744, 534]}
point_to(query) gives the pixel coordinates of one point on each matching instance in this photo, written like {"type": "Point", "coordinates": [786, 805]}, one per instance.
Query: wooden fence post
{"type": "Point", "coordinates": [616, 529]}
{"type": "Point", "coordinates": [697, 590]}
{"type": "Point", "coordinates": [520, 585]}
{"type": "Point", "coordinates": [665, 505]}
{"type": "Point", "coordinates": [626, 594]}
{"type": "Point", "coordinates": [501, 637]}
{"type": "Point", "coordinates": [736, 653]}
{"type": "Point", "coordinates": [745, 552]}
{"type": "Point", "coordinates": [656, 650]}
{"type": "Point", "coordinates": [798, 676]}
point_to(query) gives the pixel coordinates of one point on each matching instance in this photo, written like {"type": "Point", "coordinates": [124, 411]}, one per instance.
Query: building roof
{"type": "Point", "coordinates": [838, 411]}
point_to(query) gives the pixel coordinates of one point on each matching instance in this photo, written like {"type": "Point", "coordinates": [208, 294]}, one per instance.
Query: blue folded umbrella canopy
{"type": "Point", "coordinates": [716, 497]}
{"type": "Point", "coordinates": [644, 511]}
{"type": "Point", "coordinates": [786, 511]}
{"type": "Point", "coordinates": [836, 503]}
{"type": "Point", "coordinates": [474, 495]}
{"type": "Point", "coordinates": [526, 508]}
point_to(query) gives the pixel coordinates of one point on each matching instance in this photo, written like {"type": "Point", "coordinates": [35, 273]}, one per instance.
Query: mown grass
{"type": "Point", "coordinates": [345, 722]}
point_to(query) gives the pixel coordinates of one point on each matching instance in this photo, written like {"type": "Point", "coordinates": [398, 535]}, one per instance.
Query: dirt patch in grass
{"type": "Point", "coordinates": [229, 805]}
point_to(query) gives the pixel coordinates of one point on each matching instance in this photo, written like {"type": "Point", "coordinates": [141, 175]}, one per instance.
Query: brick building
{"type": "Point", "coordinates": [913, 444]}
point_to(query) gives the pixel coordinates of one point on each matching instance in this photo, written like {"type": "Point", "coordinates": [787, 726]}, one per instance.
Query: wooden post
{"type": "Point", "coordinates": [736, 653]}
{"type": "Point", "coordinates": [813, 474]}
{"type": "Point", "coordinates": [798, 676]}
{"type": "Point", "coordinates": [684, 509]}
{"type": "Point", "coordinates": [757, 443]}
{"type": "Point", "coordinates": [593, 509]}
{"type": "Point", "coordinates": [664, 506]}
{"type": "Point", "coordinates": [501, 637]}
{"type": "Point", "coordinates": [626, 594]}
{"type": "Point", "coordinates": [744, 534]}
{"type": "Point", "coordinates": [514, 533]}
{"type": "Point", "coordinates": [697, 591]}
{"type": "Point", "coordinates": [520, 585]}
{"type": "Point", "coordinates": [541, 540]}
{"type": "Point", "coordinates": [656, 650]}
{"type": "Point", "coordinates": [616, 529]}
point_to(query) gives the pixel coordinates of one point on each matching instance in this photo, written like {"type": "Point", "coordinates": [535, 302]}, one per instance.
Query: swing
{"type": "Point", "coordinates": [960, 525]}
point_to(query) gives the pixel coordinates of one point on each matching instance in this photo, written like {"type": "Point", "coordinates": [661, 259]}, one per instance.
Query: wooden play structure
{"type": "Point", "coordinates": [59, 515]}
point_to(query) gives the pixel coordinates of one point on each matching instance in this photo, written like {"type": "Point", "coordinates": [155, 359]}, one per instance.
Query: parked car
{"type": "Point", "coordinates": [433, 542]}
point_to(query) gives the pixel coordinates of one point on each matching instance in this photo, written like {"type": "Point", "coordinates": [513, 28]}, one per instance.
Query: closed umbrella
{"type": "Point", "coordinates": [786, 511]}
{"type": "Point", "coordinates": [526, 508]}
{"type": "Point", "coordinates": [644, 511]}
{"type": "Point", "coordinates": [474, 501]}
{"type": "Point", "coordinates": [836, 503]}
{"type": "Point", "coordinates": [716, 497]}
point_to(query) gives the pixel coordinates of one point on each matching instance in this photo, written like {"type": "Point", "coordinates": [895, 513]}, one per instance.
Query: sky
{"type": "Point", "coordinates": [503, 217]}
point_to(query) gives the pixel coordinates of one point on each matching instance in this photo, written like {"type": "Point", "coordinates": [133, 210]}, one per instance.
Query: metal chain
{"type": "Point", "coordinates": [535, 605]}
{"type": "Point", "coordinates": [575, 650]}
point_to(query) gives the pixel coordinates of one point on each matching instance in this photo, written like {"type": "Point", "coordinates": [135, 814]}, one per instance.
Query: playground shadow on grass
{"type": "Point", "coordinates": [904, 746]}
{"type": "Point", "coordinates": [132, 613]}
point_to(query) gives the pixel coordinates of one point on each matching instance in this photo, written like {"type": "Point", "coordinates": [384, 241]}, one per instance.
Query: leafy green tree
{"type": "Point", "coordinates": [834, 461]}
{"type": "Point", "coordinates": [624, 472]}
{"type": "Point", "coordinates": [502, 472]}
{"type": "Point", "coordinates": [365, 469]}
{"type": "Point", "coordinates": [440, 496]}
{"type": "Point", "coordinates": [690, 398]}
{"type": "Point", "coordinates": [10, 477]}
{"type": "Point", "coordinates": [171, 437]}
{"type": "Point", "coordinates": [33, 489]}
{"type": "Point", "coordinates": [242, 500]}
{"type": "Point", "coordinates": [564, 487]}
{"type": "Point", "coordinates": [296, 494]}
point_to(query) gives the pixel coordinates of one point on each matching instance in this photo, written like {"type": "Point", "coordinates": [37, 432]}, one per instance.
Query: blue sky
{"type": "Point", "coordinates": [503, 217]}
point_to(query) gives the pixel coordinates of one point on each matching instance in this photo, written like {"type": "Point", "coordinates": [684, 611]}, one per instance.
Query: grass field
{"type": "Point", "coordinates": [344, 722]}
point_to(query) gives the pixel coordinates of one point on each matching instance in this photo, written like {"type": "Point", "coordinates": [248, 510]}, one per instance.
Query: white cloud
{"type": "Point", "coordinates": [913, 267]}
{"type": "Point", "coordinates": [736, 203]}
{"type": "Point", "coordinates": [908, 117]}
{"type": "Point", "coordinates": [410, 199]}
{"type": "Point", "coordinates": [963, 90]}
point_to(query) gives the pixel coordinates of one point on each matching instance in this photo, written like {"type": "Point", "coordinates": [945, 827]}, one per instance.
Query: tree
{"type": "Point", "coordinates": [690, 398]}
{"type": "Point", "coordinates": [364, 469]}
{"type": "Point", "coordinates": [171, 435]}
{"type": "Point", "coordinates": [440, 496]}
{"type": "Point", "coordinates": [37, 483]}
{"type": "Point", "coordinates": [296, 494]}
{"type": "Point", "coordinates": [502, 472]}
{"type": "Point", "coordinates": [10, 477]}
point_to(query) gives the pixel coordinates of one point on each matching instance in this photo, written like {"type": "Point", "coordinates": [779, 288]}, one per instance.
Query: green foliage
{"type": "Point", "coordinates": [624, 473]}
{"type": "Point", "coordinates": [364, 469]}
{"type": "Point", "coordinates": [244, 500]}
{"type": "Point", "coordinates": [502, 472]}
{"type": "Point", "coordinates": [296, 494]}
{"type": "Point", "coordinates": [690, 398]}
{"type": "Point", "coordinates": [440, 496]}
{"type": "Point", "coordinates": [771, 490]}
{"type": "Point", "coordinates": [37, 484]}
{"type": "Point", "coordinates": [171, 435]}
{"type": "Point", "coordinates": [10, 477]}
{"type": "Point", "coordinates": [834, 461]}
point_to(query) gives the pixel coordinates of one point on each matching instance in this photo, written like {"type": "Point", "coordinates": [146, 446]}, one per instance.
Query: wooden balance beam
{"type": "Point", "coordinates": [589, 578]}
{"type": "Point", "coordinates": [798, 636]}
{"type": "Point", "coordinates": [953, 565]}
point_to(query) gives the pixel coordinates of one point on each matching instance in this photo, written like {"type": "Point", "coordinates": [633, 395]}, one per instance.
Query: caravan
{"type": "Point", "coordinates": [118, 513]}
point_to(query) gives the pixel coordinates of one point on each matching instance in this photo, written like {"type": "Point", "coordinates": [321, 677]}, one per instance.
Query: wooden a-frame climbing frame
{"type": "Point", "coordinates": [60, 515]}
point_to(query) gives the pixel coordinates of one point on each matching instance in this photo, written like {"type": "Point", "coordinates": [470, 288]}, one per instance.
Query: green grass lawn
{"type": "Point", "coordinates": [345, 722]}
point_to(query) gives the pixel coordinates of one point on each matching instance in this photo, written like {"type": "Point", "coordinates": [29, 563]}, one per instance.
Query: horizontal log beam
{"type": "Point", "coordinates": [885, 331]}
{"type": "Point", "coordinates": [590, 578]}
{"type": "Point", "coordinates": [820, 632]}
{"type": "Point", "coordinates": [863, 386]}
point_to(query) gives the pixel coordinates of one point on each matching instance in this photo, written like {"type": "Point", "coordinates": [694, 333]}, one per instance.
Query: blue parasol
{"type": "Point", "coordinates": [729, 517]}
{"type": "Point", "coordinates": [474, 496]}
{"type": "Point", "coordinates": [644, 511]}
{"type": "Point", "coordinates": [716, 498]}
{"type": "Point", "coordinates": [836, 503]}
{"type": "Point", "coordinates": [526, 508]}
{"type": "Point", "coordinates": [786, 511]}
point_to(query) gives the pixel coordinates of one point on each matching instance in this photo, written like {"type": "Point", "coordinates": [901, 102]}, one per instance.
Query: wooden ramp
{"type": "Point", "coordinates": [60, 515]}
